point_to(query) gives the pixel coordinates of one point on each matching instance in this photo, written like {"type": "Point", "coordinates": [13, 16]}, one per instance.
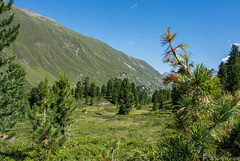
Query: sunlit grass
{"type": "Point", "coordinates": [96, 127]}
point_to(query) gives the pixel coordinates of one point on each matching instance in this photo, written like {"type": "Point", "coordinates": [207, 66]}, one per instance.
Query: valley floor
{"type": "Point", "coordinates": [97, 131]}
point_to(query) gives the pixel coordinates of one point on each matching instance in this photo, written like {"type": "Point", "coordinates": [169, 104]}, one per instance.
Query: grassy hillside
{"type": "Point", "coordinates": [46, 48]}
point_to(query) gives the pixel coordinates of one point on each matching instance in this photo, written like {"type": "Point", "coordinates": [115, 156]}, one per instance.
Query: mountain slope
{"type": "Point", "coordinates": [46, 48]}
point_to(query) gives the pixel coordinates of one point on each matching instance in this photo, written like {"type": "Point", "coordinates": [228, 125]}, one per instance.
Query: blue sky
{"type": "Point", "coordinates": [209, 27]}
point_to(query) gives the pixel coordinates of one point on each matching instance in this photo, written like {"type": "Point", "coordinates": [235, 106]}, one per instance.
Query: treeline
{"type": "Point", "coordinates": [119, 92]}
{"type": "Point", "coordinates": [159, 97]}
{"type": "Point", "coordinates": [229, 71]}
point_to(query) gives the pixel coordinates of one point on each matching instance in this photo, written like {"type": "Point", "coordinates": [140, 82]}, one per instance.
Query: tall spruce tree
{"type": "Point", "coordinates": [64, 104]}
{"type": "Point", "coordinates": [79, 91]}
{"type": "Point", "coordinates": [92, 92]}
{"type": "Point", "coordinates": [110, 88]}
{"type": "Point", "coordinates": [103, 91]}
{"type": "Point", "coordinates": [229, 72]}
{"type": "Point", "coordinates": [12, 81]}
{"type": "Point", "coordinates": [223, 74]}
{"type": "Point", "coordinates": [126, 97]}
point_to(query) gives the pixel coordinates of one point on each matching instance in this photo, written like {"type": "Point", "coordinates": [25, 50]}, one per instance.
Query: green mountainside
{"type": "Point", "coordinates": [46, 48]}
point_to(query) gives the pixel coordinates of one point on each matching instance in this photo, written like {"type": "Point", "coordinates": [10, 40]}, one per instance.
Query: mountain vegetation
{"type": "Point", "coordinates": [12, 77]}
{"type": "Point", "coordinates": [206, 116]}
{"type": "Point", "coordinates": [229, 71]}
{"type": "Point", "coordinates": [197, 120]}
{"type": "Point", "coordinates": [46, 48]}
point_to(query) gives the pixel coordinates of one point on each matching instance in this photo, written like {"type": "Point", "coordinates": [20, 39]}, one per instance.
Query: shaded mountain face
{"type": "Point", "coordinates": [46, 48]}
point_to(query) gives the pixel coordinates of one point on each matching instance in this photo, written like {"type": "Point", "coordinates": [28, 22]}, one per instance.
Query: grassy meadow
{"type": "Point", "coordinates": [99, 134]}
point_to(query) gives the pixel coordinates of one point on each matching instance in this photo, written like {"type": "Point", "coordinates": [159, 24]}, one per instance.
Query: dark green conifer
{"type": "Point", "coordinates": [79, 91]}
{"type": "Point", "coordinates": [229, 72]}
{"type": "Point", "coordinates": [126, 97]}
{"type": "Point", "coordinates": [109, 88]}
{"type": "Point", "coordinates": [46, 132]}
{"type": "Point", "coordinates": [64, 104]}
{"type": "Point", "coordinates": [86, 85]}
{"type": "Point", "coordinates": [103, 91]}
{"type": "Point", "coordinates": [12, 76]}
{"type": "Point", "coordinates": [92, 93]}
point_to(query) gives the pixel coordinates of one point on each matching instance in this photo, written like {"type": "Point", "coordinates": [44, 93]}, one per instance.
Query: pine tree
{"type": "Point", "coordinates": [64, 104]}
{"type": "Point", "coordinates": [126, 97]}
{"type": "Point", "coordinates": [233, 64]}
{"type": "Point", "coordinates": [92, 93]}
{"type": "Point", "coordinates": [7, 33]}
{"type": "Point", "coordinates": [116, 91]}
{"type": "Point", "coordinates": [202, 112]}
{"type": "Point", "coordinates": [12, 77]}
{"type": "Point", "coordinates": [79, 91]}
{"type": "Point", "coordinates": [86, 85]}
{"type": "Point", "coordinates": [229, 72]}
{"type": "Point", "coordinates": [103, 91]}
{"type": "Point", "coordinates": [155, 99]}
{"type": "Point", "coordinates": [223, 74]}
{"type": "Point", "coordinates": [135, 94]}
{"type": "Point", "coordinates": [98, 93]}
{"type": "Point", "coordinates": [109, 88]}
{"type": "Point", "coordinates": [46, 132]}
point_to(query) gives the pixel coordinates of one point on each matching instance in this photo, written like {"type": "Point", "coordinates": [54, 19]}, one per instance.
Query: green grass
{"type": "Point", "coordinates": [136, 135]}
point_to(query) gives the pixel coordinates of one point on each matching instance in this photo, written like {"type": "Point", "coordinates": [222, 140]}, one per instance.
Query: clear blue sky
{"type": "Point", "coordinates": [134, 26]}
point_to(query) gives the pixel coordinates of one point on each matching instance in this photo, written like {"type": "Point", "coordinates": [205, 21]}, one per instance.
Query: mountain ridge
{"type": "Point", "coordinates": [46, 48]}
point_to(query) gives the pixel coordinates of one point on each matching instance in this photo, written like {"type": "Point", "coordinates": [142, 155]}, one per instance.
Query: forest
{"type": "Point", "coordinates": [197, 118]}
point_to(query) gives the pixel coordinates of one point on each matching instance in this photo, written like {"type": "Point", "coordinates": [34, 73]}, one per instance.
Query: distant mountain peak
{"type": "Point", "coordinates": [35, 14]}
{"type": "Point", "coordinates": [165, 74]}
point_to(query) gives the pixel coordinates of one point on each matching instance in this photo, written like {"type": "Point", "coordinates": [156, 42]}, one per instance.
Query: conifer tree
{"type": "Point", "coordinates": [86, 85]}
{"type": "Point", "coordinates": [103, 91]}
{"type": "Point", "coordinates": [135, 94]}
{"type": "Point", "coordinates": [222, 73]}
{"type": "Point", "coordinates": [126, 98]}
{"type": "Point", "coordinates": [12, 80]}
{"type": "Point", "coordinates": [202, 115]}
{"type": "Point", "coordinates": [233, 64]}
{"type": "Point", "coordinates": [229, 72]}
{"type": "Point", "coordinates": [92, 93]}
{"type": "Point", "coordinates": [64, 104]}
{"type": "Point", "coordinates": [79, 91]}
{"type": "Point", "coordinates": [116, 90]}
{"type": "Point", "coordinates": [98, 94]}
{"type": "Point", "coordinates": [109, 88]}
{"type": "Point", "coordinates": [155, 99]}
{"type": "Point", "coordinates": [46, 131]}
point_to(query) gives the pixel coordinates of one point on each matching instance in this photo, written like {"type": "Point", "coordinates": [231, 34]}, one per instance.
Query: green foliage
{"type": "Point", "coordinates": [52, 114]}
{"type": "Point", "coordinates": [230, 142]}
{"type": "Point", "coordinates": [79, 91]}
{"type": "Point", "coordinates": [126, 97]}
{"type": "Point", "coordinates": [201, 115]}
{"type": "Point", "coordinates": [12, 77]}
{"type": "Point", "coordinates": [229, 72]}
{"type": "Point", "coordinates": [46, 132]}
{"type": "Point", "coordinates": [64, 103]}
{"type": "Point", "coordinates": [159, 97]}
{"type": "Point", "coordinates": [174, 148]}
{"type": "Point", "coordinates": [133, 137]}
{"type": "Point", "coordinates": [8, 32]}
{"type": "Point", "coordinates": [46, 48]}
